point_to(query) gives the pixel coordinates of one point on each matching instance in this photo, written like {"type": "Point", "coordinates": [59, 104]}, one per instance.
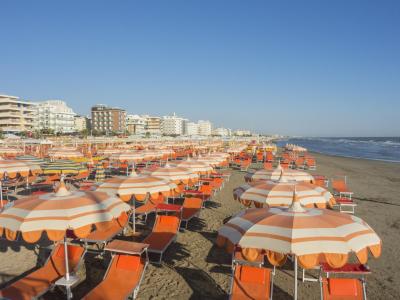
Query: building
{"type": "Point", "coordinates": [173, 125]}
{"type": "Point", "coordinates": [108, 119]}
{"type": "Point", "coordinates": [222, 131]}
{"type": "Point", "coordinates": [205, 128]}
{"type": "Point", "coordinates": [242, 132]}
{"type": "Point", "coordinates": [16, 115]}
{"type": "Point", "coordinates": [80, 123]}
{"type": "Point", "coordinates": [55, 115]}
{"type": "Point", "coordinates": [135, 124]}
{"type": "Point", "coordinates": [153, 125]}
{"type": "Point", "coordinates": [191, 129]}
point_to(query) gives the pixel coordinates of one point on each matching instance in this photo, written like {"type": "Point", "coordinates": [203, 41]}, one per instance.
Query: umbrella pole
{"type": "Point", "coordinates": [1, 193]}
{"type": "Point", "coordinates": [66, 258]}
{"type": "Point", "coordinates": [295, 278]}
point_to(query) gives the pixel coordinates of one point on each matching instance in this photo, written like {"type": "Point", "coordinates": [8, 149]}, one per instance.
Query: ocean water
{"type": "Point", "coordinates": [376, 148]}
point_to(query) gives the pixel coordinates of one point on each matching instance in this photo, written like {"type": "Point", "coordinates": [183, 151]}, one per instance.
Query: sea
{"type": "Point", "coordinates": [375, 148]}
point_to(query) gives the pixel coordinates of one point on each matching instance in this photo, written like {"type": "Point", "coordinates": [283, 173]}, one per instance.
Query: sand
{"type": "Point", "coordinates": [193, 268]}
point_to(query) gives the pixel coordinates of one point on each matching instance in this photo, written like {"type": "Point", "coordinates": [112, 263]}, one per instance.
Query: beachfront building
{"type": "Point", "coordinates": [135, 124]}
{"type": "Point", "coordinates": [191, 129]}
{"type": "Point", "coordinates": [205, 128]}
{"type": "Point", "coordinates": [220, 131]}
{"type": "Point", "coordinates": [242, 132]}
{"type": "Point", "coordinates": [153, 125]}
{"type": "Point", "coordinates": [16, 115]}
{"type": "Point", "coordinates": [56, 116]}
{"type": "Point", "coordinates": [80, 123]}
{"type": "Point", "coordinates": [173, 125]}
{"type": "Point", "coordinates": [108, 119]}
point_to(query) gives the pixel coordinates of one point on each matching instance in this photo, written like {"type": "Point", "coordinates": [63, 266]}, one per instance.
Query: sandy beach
{"type": "Point", "coordinates": [194, 268]}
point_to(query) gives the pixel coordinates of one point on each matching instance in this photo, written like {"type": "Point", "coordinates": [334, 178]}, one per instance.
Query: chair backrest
{"type": "Point", "coordinates": [348, 288]}
{"type": "Point", "coordinates": [128, 262]}
{"type": "Point", "coordinates": [338, 184]}
{"type": "Point", "coordinates": [206, 189]}
{"type": "Point", "coordinates": [74, 252]}
{"type": "Point", "coordinates": [166, 224]}
{"type": "Point", "coordinates": [192, 203]}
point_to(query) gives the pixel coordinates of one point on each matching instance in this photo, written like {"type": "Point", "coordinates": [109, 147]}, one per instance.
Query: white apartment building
{"type": "Point", "coordinates": [242, 132]}
{"type": "Point", "coordinates": [16, 115]}
{"type": "Point", "coordinates": [80, 123]}
{"type": "Point", "coordinates": [191, 128]}
{"type": "Point", "coordinates": [205, 128]}
{"type": "Point", "coordinates": [222, 131]}
{"type": "Point", "coordinates": [173, 125]}
{"type": "Point", "coordinates": [55, 115]}
{"type": "Point", "coordinates": [135, 124]}
{"type": "Point", "coordinates": [153, 125]}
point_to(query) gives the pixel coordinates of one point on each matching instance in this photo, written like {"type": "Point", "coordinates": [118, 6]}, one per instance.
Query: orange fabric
{"type": "Point", "coordinates": [309, 261]}
{"type": "Point", "coordinates": [336, 260]}
{"type": "Point", "coordinates": [376, 250]}
{"type": "Point", "coordinates": [128, 262]}
{"type": "Point", "coordinates": [191, 207]}
{"type": "Point", "coordinates": [40, 280]}
{"type": "Point", "coordinates": [55, 235]}
{"type": "Point", "coordinates": [251, 283]}
{"type": "Point", "coordinates": [31, 236]}
{"type": "Point", "coordinates": [276, 259]}
{"type": "Point", "coordinates": [250, 254]}
{"type": "Point", "coordinates": [362, 256]}
{"type": "Point", "coordinates": [119, 282]}
{"type": "Point", "coordinates": [342, 289]}
{"type": "Point", "coordinates": [164, 231]}
{"type": "Point", "coordinates": [83, 231]}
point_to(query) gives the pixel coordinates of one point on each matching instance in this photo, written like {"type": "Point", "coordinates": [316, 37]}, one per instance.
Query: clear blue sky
{"type": "Point", "coordinates": [315, 68]}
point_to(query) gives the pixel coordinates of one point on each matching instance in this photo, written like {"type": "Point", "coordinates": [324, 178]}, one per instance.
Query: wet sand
{"type": "Point", "coordinates": [193, 268]}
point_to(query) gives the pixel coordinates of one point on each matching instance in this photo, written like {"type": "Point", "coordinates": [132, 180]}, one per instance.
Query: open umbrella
{"type": "Point", "coordinates": [309, 234]}
{"type": "Point", "coordinates": [278, 173]}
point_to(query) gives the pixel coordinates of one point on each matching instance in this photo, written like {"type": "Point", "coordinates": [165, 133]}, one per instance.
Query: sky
{"type": "Point", "coordinates": [309, 68]}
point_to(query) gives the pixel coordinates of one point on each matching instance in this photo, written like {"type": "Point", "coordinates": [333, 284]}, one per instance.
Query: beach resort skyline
{"type": "Point", "coordinates": [313, 69]}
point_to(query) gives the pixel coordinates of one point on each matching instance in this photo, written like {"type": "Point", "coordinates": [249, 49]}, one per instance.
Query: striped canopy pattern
{"type": "Point", "coordinates": [280, 193]}
{"type": "Point", "coordinates": [314, 235]}
{"type": "Point", "coordinates": [279, 173]}
{"type": "Point", "coordinates": [54, 213]}
{"type": "Point", "coordinates": [14, 167]}
{"type": "Point", "coordinates": [63, 167]}
{"type": "Point", "coordinates": [127, 156]}
{"type": "Point", "coordinates": [64, 153]}
{"type": "Point", "coordinates": [195, 166]}
{"type": "Point", "coordinates": [175, 174]}
{"type": "Point", "coordinates": [30, 159]}
{"type": "Point", "coordinates": [137, 185]}
{"type": "Point", "coordinates": [11, 151]}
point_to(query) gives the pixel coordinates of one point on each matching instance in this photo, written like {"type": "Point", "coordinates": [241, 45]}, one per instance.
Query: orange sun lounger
{"type": "Point", "coordinates": [340, 187]}
{"type": "Point", "coordinates": [191, 208]}
{"type": "Point", "coordinates": [124, 273]}
{"type": "Point", "coordinates": [149, 207]}
{"type": "Point", "coordinates": [342, 289]}
{"type": "Point", "coordinates": [40, 281]}
{"type": "Point", "coordinates": [251, 282]}
{"type": "Point", "coordinates": [164, 233]}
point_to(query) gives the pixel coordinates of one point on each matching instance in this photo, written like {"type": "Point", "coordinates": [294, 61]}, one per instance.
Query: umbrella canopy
{"type": "Point", "coordinates": [14, 167]}
{"type": "Point", "coordinates": [10, 151]}
{"type": "Point", "coordinates": [195, 166]}
{"type": "Point", "coordinates": [312, 235]}
{"type": "Point", "coordinates": [128, 156]}
{"type": "Point", "coordinates": [137, 185]}
{"type": "Point", "coordinates": [100, 174]}
{"type": "Point", "coordinates": [175, 174]}
{"type": "Point", "coordinates": [279, 173]}
{"type": "Point", "coordinates": [63, 167]}
{"type": "Point", "coordinates": [64, 153]}
{"type": "Point", "coordinates": [30, 159]}
{"type": "Point", "coordinates": [280, 193]}
{"type": "Point", "coordinates": [54, 213]}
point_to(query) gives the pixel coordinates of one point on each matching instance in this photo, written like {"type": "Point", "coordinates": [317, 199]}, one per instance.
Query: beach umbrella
{"type": "Point", "coordinates": [30, 159]}
{"type": "Point", "coordinates": [311, 235]}
{"type": "Point", "coordinates": [279, 193]}
{"type": "Point", "coordinates": [278, 173]}
{"type": "Point", "coordinates": [10, 151]}
{"type": "Point", "coordinates": [107, 152]}
{"type": "Point", "coordinates": [195, 166]}
{"type": "Point", "coordinates": [55, 213]}
{"type": "Point", "coordinates": [137, 187]}
{"type": "Point", "coordinates": [130, 157]}
{"type": "Point", "coordinates": [100, 174]}
{"type": "Point", "coordinates": [175, 174]}
{"type": "Point", "coordinates": [63, 167]}
{"type": "Point", "coordinates": [64, 153]}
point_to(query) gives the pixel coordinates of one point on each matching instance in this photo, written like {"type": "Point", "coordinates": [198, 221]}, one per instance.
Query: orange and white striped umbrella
{"type": "Point", "coordinates": [175, 174]}
{"type": "Point", "coordinates": [137, 185]}
{"type": "Point", "coordinates": [280, 193]}
{"type": "Point", "coordinates": [10, 151]}
{"type": "Point", "coordinates": [312, 235]}
{"type": "Point", "coordinates": [65, 152]}
{"type": "Point", "coordinates": [152, 154]}
{"type": "Point", "coordinates": [108, 152]}
{"type": "Point", "coordinates": [55, 213]}
{"type": "Point", "coordinates": [128, 156]}
{"type": "Point", "coordinates": [14, 167]}
{"type": "Point", "coordinates": [195, 166]}
{"type": "Point", "coordinates": [278, 173]}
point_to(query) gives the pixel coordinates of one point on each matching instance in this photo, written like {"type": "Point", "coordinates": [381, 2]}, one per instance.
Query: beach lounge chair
{"type": "Point", "coordinates": [42, 280]}
{"type": "Point", "coordinates": [150, 206]}
{"type": "Point", "coordinates": [237, 258]}
{"type": "Point", "coordinates": [102, 237]}
{"type": "Point", "coordinates": [268, 165]}
{"type": "Point", "coordinates": [310, 163]}
{"type": "Point", "coordinates": [163, 234]}
{"type": "Point", "coordinates": [251, 282]}
{"type": "Point", "coordinates": [340, 187]}
{"type": "Point", "coordinates": [191, 208]}
{"type": "Point", "coordinates": [346, 205]}
{"type": "Point", "coordinates": [124, 274]}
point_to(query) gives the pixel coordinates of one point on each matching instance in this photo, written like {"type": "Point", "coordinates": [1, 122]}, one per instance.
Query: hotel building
{"type": "Point", "coordinates": [108, 119]}
{"type": "Point", "coordinates": [16, 115]}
